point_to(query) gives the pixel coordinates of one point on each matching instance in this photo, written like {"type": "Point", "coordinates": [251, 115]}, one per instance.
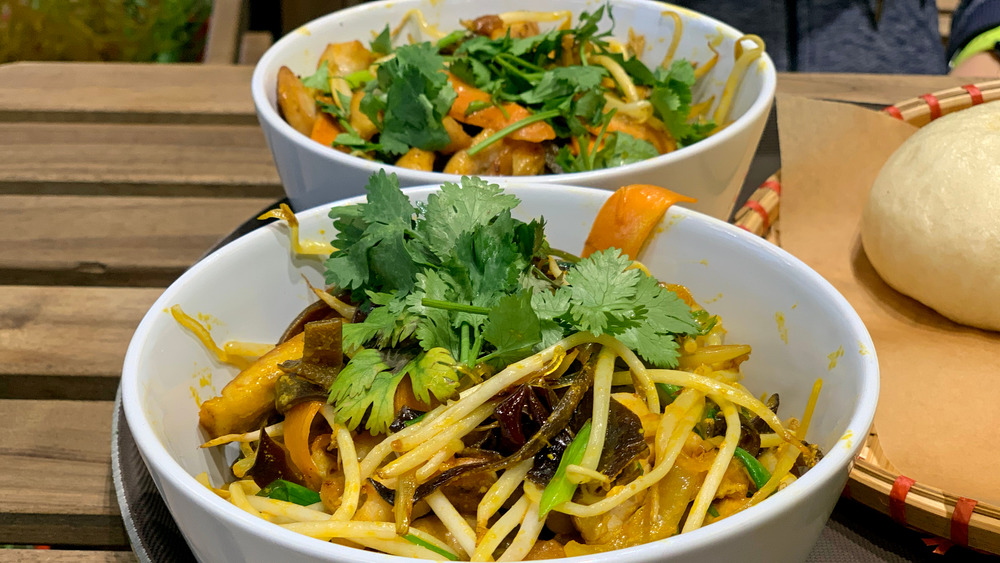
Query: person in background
{"type": "Point", "coordinates": [871, 36]}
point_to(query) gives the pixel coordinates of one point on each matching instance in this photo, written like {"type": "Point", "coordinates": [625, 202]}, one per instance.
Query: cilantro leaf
{"type": "Point", "coordinates": [412, 93]}
{"type": "Point", "coordinates": [458, 209]}
{"type": "Point", "coordinates": [602, 287]}
{"type": "Point", "coordinates": [623, 149]}
{"type": "Point", "coordinates": [664, 310]}
{"type": "Point", "coordinates": [365, 386]}
{"type": "Point", "coordinates": [372, 240]}
{"type": "Point", "coordinates": [562, 82]}
{"type": "Point", "coordinates": [671, 98]}
{"type": "Point", "coordinates": [657, 349]}
{"type": "Point", "coordinates": [513, 328]}
{"type": "Point", "coordinates": [434, 372]}
{"type": "Point", "coordinates": [320, 80]}
{"type": "Point", "coordinates": [382, 44]}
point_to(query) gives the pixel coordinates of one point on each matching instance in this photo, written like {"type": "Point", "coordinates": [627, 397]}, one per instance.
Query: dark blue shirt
{"type": "Point", "coordinates": [877, 36]}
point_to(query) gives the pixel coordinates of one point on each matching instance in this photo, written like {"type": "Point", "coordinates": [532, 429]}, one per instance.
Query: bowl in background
{"type": "Point", "coordinates": [251, 289]}
{"type": "Point", "coordinates": [711, 170]}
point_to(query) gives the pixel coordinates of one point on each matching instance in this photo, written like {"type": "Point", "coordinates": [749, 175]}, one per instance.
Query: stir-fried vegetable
{"type": "Point", "coordinates": [502, 96]}
{"type": "Point", "coordinates": [462, 368]}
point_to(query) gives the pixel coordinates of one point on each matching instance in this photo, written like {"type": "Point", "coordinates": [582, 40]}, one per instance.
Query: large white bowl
{"type": "Point", "coordinates": [711, 170]}
{"type": "Point", "coordinates": [250, 290]}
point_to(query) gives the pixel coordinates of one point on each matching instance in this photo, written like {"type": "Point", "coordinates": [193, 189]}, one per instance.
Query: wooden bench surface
{"type": "Point", "coordinates": [115, 178]}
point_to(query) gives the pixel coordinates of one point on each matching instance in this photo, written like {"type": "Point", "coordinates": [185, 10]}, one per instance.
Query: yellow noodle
{"type": "Point", "coordinates": [529, 16]}
{"type": "Point", "coordinates": [352, 475]}
{"type": "Point", "coordinates": [423, 452]}
{"type": "Point", "coordinates": [640, 110]}
{"type": "Point", "coordinates": [743, 60]}
{"type": "Point", "coordinates": [579, 474]}
{"type": "Point", "coordinates": [329, 529]}
{"type": "Point", "coordinates": [398, 546]}
{"type": "Point", "coordinates": [384, 448]}
{"type": "Point", "coordinates": [305, 248]}
{"type": "Point", "coordinates": [274, 430]}
{"type": "Point", "coordinates": [696, 516]}
{"type": "Point", "coordinates": [674, 40]}
{"type": "Point", "coordinates": [620, 76]}
{"type": "Point", "coordinates": [202, 333]}
{"type": "Point", "coordinates": [770, 441]}
{"type": "Point", "coordinates": [427, 28]}
{"type": "Point", "coordinates": [492, 538]}
{"type": "Point", "coordinates": [239, 498]}
{"type": "Point", "coordinates": [430, 468]}
{"type": "Point", "coordinates": [514, 373]}
{"type": "Point", "coordinates": [738, 396]}
{"type": "Point", "coordinates": [287, 509]}
{"type": "Point", "coordinates": [499, 492]}
{"type": "Point", "coordinates": [203, 479]}
{"type": "Point", "coordinates": [527, 535]}
{"type": "Point", "coordinates": [603, 373]}
{"type": "Point", "coordinates": [455, 522]}
{"type": "Point", "coordinates": [810, 407]}
{"type": "Point", "coordinates": [678, 435]}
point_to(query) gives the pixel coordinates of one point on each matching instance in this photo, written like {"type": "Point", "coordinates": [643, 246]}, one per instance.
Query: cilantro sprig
{"type": "Point", "coordinates": [549, 74]}
{"type": "Point", "coordinates": [451, 283]}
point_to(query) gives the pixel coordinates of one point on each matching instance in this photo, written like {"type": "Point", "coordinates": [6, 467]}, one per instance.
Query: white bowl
{"type": "Point", "coordinates": [250, 290]}
{"type": "Point", "coordinates": [711, 170]}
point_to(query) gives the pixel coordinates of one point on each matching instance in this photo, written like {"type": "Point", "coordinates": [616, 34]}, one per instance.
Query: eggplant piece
{"type": "Point", "coordinates": [547, 460]}
{"type": "Point", "coordinates": [758, 423]}
{"type": "Point", "coordinates": [271, 463]}
{"type": "Point", "coordinates": [291, 390]}
{"type": "Point", "coordinates": [322, 353]}
{"type": "Point", "coordinates": [315, 311]}
{"type": "Point", "coordinates": [623, 440]}
{"type": "Point", "coordinates": [749, 435]}
{"type": "Point", "coordinates": [565, 413]}
{"type": "Point", "coordinates": [510, 413]}
{"type": "Point", "coordinates": [405, 414]}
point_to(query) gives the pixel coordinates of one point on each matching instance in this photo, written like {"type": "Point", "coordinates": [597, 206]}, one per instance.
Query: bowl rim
{"type": "Point", "coordinates": [836, 461]}
{"type": "Point", "coordinates": [268, 114]}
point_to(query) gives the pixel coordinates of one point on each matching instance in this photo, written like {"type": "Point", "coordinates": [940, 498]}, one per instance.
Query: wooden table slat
{"type": "Point", "coordinates": [59, 240]}
{"type": "Point", "coordinates": [139, 159]}
{"type": "Point", "coordinates": [65, 447]}
{"type": "Point", "coordinates": [126, 92]}
{"type": "Point", "coordinates": [67, 556]}
{"type": "Point", "coordinates": [63, 333]}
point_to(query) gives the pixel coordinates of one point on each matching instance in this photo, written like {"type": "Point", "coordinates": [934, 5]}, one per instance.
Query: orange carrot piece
{"type": "Point", "coordinates": [628, 217]}
{"type": "Point", "coordinates": [298, 422]}
{"type": "Point", "coordinates": [325, 129]}
{"type": "Point", "coordinates": [493, 117]}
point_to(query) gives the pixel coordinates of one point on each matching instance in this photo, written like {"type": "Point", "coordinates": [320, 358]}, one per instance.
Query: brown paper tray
{"type": "Point", "coordinates": [874, 481]}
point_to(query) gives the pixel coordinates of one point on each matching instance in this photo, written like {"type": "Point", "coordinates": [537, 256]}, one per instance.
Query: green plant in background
{"type": "Point", "coordinates": [103, 30]}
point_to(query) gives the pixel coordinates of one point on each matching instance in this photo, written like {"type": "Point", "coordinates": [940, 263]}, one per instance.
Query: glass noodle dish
{"type": "Point", "coordinates": [463, 391]}
{"type": "Point", "coordinates": [519, 93]}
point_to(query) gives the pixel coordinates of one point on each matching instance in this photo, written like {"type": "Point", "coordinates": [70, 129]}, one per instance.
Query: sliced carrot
{"type": "Point", "coordinates": [493, 117]}
{"type": "Point", "coordinates": [325, 129]}
{"type": "Point", "coordinates": [628, 217]}
{"type": "Point", "coordinates": [298, 423]}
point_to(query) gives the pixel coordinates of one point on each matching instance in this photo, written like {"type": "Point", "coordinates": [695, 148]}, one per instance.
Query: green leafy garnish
{"type": "Point", "coordinates": [548, 74]}
{"type": "Point", "coordinates": [428, 545]}
{"type": "Point", "coordinates": [319, 80]}
{"type": "Point", "coordinates": [280, 489]}
{"type": "Point", "coordinates": [560, 489]}
{"type": "Point", "coordinates": [451, 283]}
{"type": "Point", "coordinates": [382, 44]}
{"type": "Point", "coordinates": [367, 384]}
{"type": "Point", "coordinates": [412, 94]}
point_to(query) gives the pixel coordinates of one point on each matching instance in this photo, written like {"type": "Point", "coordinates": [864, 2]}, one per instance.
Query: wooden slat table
{"type": "Point", "coordinates": [113, 179]}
